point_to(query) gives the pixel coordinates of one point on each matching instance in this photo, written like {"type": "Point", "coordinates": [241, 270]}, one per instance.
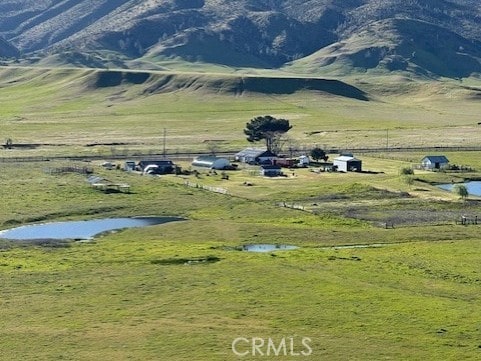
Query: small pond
{"type": "Point", "coordinates": [473, 187]}
{"type": "Point", "coordinates": [80, 229]}
{"type": "Point", "coordinates": [267, 247]}
{"type": "Point", "coordinates": [354, 246]}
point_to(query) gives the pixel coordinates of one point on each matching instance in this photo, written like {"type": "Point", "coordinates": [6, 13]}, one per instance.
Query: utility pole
{"type": "Point", "coordinates": [165, 138]}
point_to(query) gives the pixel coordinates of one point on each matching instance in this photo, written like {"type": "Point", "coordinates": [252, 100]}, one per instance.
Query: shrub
{"type": "Point", "coordinates": [318, 153]}
{"type": "Point", "coordinates": [461, 190]}
{"type": "Point", "coordinates": [406, 171]}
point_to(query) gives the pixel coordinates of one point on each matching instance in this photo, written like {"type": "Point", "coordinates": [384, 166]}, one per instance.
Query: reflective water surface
{"type": "Point", "coordinates": [267, 247]}
{"type": "Point", "coordinates": [473, 187]}
{"type": "Point", "coordinates": [80, 229]}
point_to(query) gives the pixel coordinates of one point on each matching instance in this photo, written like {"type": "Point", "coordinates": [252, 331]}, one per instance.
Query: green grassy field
{"type": "Point", "coordinates": [74, 111]}
{"type": "Point", "coordinates": [147, 294]}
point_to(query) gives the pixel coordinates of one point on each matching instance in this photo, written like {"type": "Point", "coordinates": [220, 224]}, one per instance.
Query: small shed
{"type": "Point", "coordinates": [211, 162]}
{"type": "Point", "coordinates": [347, 163]}
{"type": "Point", "coordinates": [270, 170]}
{"type": "Point", "coordinates": [431, 162]}
{"type": "Point", "coordinates": [256, 156]}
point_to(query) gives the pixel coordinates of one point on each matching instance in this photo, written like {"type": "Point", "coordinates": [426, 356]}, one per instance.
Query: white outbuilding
{"type": "Point", "coordinates": [211, 162]}
{"type": "Point", "coordinates": [346, 163]}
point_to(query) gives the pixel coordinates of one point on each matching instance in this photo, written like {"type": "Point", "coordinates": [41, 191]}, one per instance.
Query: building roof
{"type": "Point", "coordinates": [267, 153]}
{"type": "Point", "coordinates": [436, 159]}
{"type": "Point", "coordinates": [345, 158]}
{"type": "Point", "coordinates": [255, 152]}
{"type": "Point", "coordinates": [156, 162]}
{"type": "Point", "coordinates": [209, 158]}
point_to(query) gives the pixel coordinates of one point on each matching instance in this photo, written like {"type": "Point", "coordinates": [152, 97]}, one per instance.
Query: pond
{"type": "Point", "coordinates": [80, 229]}
{"type": "Point", "coordinates": [267, 247]}
{"type": "Point", "coordinates": [473, 187]}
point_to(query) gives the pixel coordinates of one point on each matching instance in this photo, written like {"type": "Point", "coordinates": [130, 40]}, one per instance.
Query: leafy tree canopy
{"type": "Point", "coordinates": [318, 153]}
{"type": "Point", "coordinates": [266, 128]}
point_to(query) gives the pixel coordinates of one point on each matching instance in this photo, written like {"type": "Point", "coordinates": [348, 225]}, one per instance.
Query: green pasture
{"type": "Point", "coordinates": [70, 111]}
{"type": "Point", "coordinates": [111, 300]}
{"type": "Point", "coordinates": [135, 295]}
{"type": "Point", "coordinates": [184, 290]}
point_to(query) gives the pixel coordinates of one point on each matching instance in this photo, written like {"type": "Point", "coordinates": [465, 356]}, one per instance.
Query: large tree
{"type": "Point", "coordinates": [267, 128]}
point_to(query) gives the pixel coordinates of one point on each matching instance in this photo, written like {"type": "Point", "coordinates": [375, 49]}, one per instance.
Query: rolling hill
{"type": "Point", "coordinates": [428, 38]}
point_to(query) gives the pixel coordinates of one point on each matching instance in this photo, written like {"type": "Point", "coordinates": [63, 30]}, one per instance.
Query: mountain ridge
{"type": "Point", "coordinates": [438, 38]}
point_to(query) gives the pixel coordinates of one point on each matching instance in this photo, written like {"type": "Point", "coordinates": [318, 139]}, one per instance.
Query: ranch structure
{"type": "Point", "coordinates": [256, 156]}
{"type": "Point", "coordinates": [270, 170]}
{"type": "Point", "coordinates": [431, 162]}
{"type": "Point", "coordinates": [211, 162]}
{"type": "Point", "coordinates": [163, 166]}
{"type": "Point", "coordinates": [347, 163]}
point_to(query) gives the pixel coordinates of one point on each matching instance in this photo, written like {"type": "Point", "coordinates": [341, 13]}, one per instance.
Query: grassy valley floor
{"type": "Point", "coordinates": [148, 294]}
{"type": "Point", "coordinates": [353, 289]}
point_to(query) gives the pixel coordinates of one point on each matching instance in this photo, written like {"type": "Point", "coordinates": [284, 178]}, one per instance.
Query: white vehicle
{"type": "Point", "coordinates": [151, 169]}
{"type": "Point", "coordinates": [303, 161]}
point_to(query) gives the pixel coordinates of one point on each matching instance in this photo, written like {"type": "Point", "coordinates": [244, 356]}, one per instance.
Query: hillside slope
{"type": "Point", "coordinates": [7, 50]}
{"type": "Point", "coordinates": [434, 37]}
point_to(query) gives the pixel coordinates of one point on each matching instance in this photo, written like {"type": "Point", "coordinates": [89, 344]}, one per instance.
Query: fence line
{"type": "Point", "coordinates": [189, 155]}
{"type": "Point", "coordinates": [207, 188]}
{"type": "Point", "coordinates": [407, 149]}
{"type": "Point", "coordinates": [292, 206]}
{"type": "Point", "coordinates": [70, 169]}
